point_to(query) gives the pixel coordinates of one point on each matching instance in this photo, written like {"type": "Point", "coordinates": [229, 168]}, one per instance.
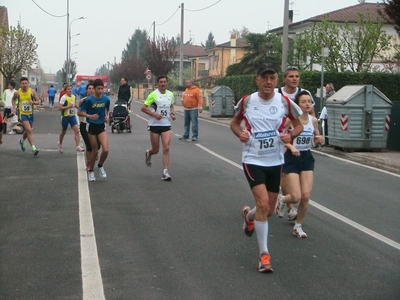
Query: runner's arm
{"type": "Point", "coordinates": [14, 101]}
{"type": "Point", "coordinates": [318, 138]}
{"type": "Point", "coordinates": [236, 121]}
{"type": "Point", "coordinates": [35, 99]}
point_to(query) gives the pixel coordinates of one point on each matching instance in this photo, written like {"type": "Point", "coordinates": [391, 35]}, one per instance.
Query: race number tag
{"type": "Point", "coordinates": [26, 106]}
{"type": "Point", "coordinates": [163, 110]}
{"type": "Point", "coordinates": [71, 111]}
{"type": "Point", "coordinates": [265, 142]}
{"type": "Point", "coordinates": [304, 140]}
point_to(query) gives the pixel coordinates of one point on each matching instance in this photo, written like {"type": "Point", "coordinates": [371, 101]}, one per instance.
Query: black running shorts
{"type": "Point", "coordinates": [270, 176]}
{"type": "Point", "coordinates": [296, 164]}
{"type": "Point", "coordinates": [159, 129]}
{"type": "Point", "coordinates": [96, 129]}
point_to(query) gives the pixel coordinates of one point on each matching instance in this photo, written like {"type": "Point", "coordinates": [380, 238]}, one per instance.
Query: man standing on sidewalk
{"type": "Point", "coordinates": [193, 105]}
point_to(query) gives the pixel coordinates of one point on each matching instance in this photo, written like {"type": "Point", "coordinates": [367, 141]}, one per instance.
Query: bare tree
{"type": "Point", "coordinates": [72, 71]}
{"type": "Point", "coordinates": [18, 51]}
{"type": "Point", "coordinates": [160, 56]}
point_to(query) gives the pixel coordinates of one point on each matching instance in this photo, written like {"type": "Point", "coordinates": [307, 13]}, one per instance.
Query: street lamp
{"type": "Point", "coordinates": [69, 48]}
{"type": "Point", "coordinates": [324, 54]}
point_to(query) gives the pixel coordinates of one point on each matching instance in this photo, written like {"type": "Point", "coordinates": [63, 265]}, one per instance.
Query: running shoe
{"type": "Point", "coordinates": [60, 147]}
{"type": "Point", "coordinates": [298, 231]}
{"type": "Point", "coordinates": [102, 173]}
{"type": "Point", "coordinates": [280, 207]}
{"type": "Point", "coordinates": [264, 265]}
{"type": "Point", "coordinates": [11, 132]}
{"type": "Point", "coordinates": [165, 175]}
{"type": "Point", "coordinates": [292, 214]}
{"type": "Point", "coordinates": [22, 144]}
{"type": "Point", "coordinates": [35, 151]}
{"type": "Point", "coordinates": [80, 149]}
{"type": "Point", "coordinates": [248, 226]}
{"type": "Point", "coordinates": [183, 138]}
{"type": "Point", "coordinates": [194, 139]}
{"type": "Point", "coordinates": [148, 158]}
{"type": "Point", "coordinates": [91, 176]}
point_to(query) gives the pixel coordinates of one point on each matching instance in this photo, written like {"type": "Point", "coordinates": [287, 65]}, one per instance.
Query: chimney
{"type": "Point", "coordinates": [233, 40]}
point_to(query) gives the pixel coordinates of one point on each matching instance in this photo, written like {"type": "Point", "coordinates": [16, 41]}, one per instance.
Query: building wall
{"type": "Point", "coordinates": [221, 58]}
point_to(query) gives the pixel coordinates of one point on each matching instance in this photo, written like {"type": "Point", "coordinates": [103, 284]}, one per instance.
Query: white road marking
{"type": "Point", "coordinates": [92, 282]}
{"type": "Point", "coordinates": [356, 225]}
{"type": "Point", "coordinates": [323, 208]}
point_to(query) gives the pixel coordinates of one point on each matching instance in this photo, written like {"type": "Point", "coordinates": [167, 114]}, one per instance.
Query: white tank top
{"type": "Point", "coordinates": [263, 119]}
{"type": "Point", "coordinates": [304, 141]}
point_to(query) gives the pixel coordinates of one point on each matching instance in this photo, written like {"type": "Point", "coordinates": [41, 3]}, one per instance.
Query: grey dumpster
{"type": "Point", "coordinates": [359, 118]}
{"type": "Point", "coordinates": [221, 100]}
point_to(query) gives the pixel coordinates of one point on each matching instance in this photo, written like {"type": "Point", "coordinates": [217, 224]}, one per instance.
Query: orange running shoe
{"type": "Point", "coordinates": [248, 226]}
{"type": "Point", "coordinates": [264, 265]}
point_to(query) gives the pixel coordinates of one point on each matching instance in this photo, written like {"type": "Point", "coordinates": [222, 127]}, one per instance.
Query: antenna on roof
{"type": "Point", "coordinates": [361, 1]}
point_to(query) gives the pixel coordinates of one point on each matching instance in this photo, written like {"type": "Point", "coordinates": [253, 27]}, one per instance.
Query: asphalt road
{"type": "Point", "coordinates": [182, 239]}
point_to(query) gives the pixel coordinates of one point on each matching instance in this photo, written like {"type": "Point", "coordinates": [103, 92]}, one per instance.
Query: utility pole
{"type": "Point", "coordinates": [67, 60]}
{"type": "Point", "coordinates": [181, 49]}
{"type": "Point", "coordinates": [285, 35]}
{"type": "Point", "coordinates": [154, 31]}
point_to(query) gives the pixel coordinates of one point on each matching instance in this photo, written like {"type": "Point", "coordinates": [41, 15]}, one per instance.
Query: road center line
{"type": "Point", "coordinates": [92, 282]}
{"type": "Point", "coordinates": [323, 208]}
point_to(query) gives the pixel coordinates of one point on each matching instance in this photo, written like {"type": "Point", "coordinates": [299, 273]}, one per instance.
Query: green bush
{"type": "Point", "coordinates": [387, 83]}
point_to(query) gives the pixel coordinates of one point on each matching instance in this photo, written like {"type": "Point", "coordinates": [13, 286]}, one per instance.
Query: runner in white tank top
{"type": "Point", "coordinates": [298, 170]}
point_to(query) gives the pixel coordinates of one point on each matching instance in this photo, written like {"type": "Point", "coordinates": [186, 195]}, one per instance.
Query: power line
{"type": "Point", "coordinates": [169, 17]}
{"type": "Point", "coordinates": [204, 7]}
{"type": "Point", "coordinates": [48, 12]}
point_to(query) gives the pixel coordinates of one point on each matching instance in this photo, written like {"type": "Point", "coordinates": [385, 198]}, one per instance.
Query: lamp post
{"type": "Point", "coordinates": [69, 46]}
{"type": "Point", "coordinates": [324, 54]}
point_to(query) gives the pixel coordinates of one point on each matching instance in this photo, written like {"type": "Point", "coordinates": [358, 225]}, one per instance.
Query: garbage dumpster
{"type": "Point", "coordinates": [221, 100]}
{"type": "Point", "coordinates": [359, 118]}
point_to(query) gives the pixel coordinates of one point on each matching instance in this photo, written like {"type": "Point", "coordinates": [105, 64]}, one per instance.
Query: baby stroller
{"type": "Point", "coordinates": [119, 117]}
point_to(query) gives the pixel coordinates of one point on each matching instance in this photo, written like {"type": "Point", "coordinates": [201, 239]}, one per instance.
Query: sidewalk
{"type": "Point", "coordinates": [388, 160]}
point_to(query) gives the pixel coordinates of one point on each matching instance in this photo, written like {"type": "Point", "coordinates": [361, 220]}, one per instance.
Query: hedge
{"type": "Point", "coordinates": [387, 83]}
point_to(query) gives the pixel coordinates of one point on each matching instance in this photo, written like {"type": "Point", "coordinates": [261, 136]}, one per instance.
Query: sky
{"type": "Point", "coordinates": [102, 36]}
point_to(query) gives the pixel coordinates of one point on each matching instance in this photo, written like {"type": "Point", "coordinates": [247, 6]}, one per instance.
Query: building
{"type": "Point", "coordinates": [3, 23]}
{"type": "Point", "coordinates": [348, 15]}
{"type": "Point", "coordinates": [223, 55]}
{"type": "Point", "coordinates": [194, 57]}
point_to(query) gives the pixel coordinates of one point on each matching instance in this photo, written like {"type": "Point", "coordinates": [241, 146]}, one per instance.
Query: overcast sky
{"type": "Point", "coordinates": [109, 24]}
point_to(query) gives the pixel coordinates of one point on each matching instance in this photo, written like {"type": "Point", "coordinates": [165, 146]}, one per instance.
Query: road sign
{"type": "Point", "coordinates": [147, 72]}
{"type": "Point", "coordinates": [148, 76]}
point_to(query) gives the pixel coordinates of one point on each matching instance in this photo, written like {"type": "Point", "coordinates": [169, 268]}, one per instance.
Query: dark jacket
{"type": "Point", "coordinates": [124, 92]}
